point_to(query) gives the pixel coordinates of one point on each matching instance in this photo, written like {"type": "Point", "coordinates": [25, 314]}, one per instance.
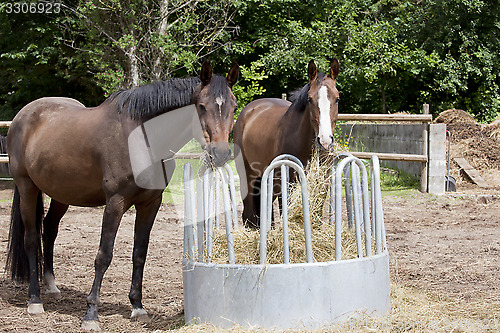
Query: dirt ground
{"type": "Point", "coordinates": [445, 246]}
{"type": "Point", "coordinates": [448, 246]}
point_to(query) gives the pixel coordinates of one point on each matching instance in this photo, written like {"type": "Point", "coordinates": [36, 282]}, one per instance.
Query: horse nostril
{"type": "Point", "coordinates": [213, 152]}
{"type": "Point", "coordinates": [220, 155]}
{"type": "Point", "coordinates": [228, 154]}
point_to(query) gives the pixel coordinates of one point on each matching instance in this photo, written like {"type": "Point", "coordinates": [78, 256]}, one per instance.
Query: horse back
{"type": "Point", "coordinates": [257, 129]}
{"type": "Point", "coordinates": [57, 143]}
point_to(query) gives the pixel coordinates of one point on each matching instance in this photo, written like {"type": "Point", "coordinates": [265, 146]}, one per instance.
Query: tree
{"type": "Point", "coordinates": [466, 36]}
{"type": "Point", "coordinates": [34, 63]}
{"type": "Point", "coordinates": [395, 55]}
{"type": "Point", "coordinates": [133, 41]}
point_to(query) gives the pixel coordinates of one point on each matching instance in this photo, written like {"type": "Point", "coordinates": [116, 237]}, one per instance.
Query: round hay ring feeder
{"type": "Point", "coordinates": [289, 295]}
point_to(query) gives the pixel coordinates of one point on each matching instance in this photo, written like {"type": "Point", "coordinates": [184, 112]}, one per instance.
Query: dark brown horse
{"type": "Point", "coordinates": [81, 156]}
{"type": "Point", "coordinates": [270, 127]}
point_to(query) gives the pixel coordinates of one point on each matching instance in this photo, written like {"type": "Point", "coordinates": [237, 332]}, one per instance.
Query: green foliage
{"type": "Point", "coordinates": [248, 87]}
{"type": "Point", "coordinates": [395, 55]}
{"type": "Point", "coordinates": [35, 62]}
{"type": "Point", "coordinates": [136, 42]}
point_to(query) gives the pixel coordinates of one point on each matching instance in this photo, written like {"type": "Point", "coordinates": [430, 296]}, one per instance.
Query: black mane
{"type": "Point", "coordinates": [159, 97]}
{"type": "Point", "coordinates": [299, 96]}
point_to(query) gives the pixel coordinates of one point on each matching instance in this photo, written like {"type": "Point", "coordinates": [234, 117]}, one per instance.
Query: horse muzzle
{"type": "Point", "coordinates": [324, 144]}
{"type": "Point", "coordinates": [218, 153]}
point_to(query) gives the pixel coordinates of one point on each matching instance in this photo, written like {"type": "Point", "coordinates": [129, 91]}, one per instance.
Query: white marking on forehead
{"type": "Point", "coordinates": [219, 101]}
{"type": "Point", "coordinates": [325, 127]}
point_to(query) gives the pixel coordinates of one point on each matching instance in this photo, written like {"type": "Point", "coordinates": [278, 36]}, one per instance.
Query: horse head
{"type": "Point", "coordinates": [323, 103]}
{"type": "Point", "coordinates": [216, 106]}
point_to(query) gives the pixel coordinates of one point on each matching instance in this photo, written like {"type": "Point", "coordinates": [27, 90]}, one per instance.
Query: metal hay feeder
{"type": "Point", "coordinates": [287, 295]}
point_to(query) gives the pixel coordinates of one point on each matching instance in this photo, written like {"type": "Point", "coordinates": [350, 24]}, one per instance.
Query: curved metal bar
{"type": "Point", "coordinates": [227, 216]}
{"type": "Point", "coordinates": [209, 207]}
{"type": "Point", "coordinates": [200, 220]}
{"type": "Point", "coordinates": [348, 184]}
{"type": "Point", "coordinates": [217, 188]}
{"type": "Point", "coordinates": [270, 190]}
{"type": "Point", "coordinates": [232, 193]}
{"type": "Point", "coordinates": [270, 183]}
{"type": "Point", "coordinates": [284, 204]}
{"type": "Point", "coordinates": [305, 205]}
{"type": "Point", "coordinates": [189, 212]}
{"type": "Point", "coordinates": [336, 160]}
{"type": "Point", "coordinates": [338, 198]}
{"type": "Point", "coordinates": [379, 216]}
{"type": "Point", "coordinates": [356, 203]}
{"type": "Point", "coordinates": [366, 212]}
{"type": "Point", "coordinates": [288, 157]}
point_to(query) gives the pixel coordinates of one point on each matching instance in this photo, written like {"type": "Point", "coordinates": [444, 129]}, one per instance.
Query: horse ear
{"type": "Point", "coordinates": [206, 73]}
{"type": "Point", "coordinates": [312, 71]}
{"type": "Point", "coordinates": [233, 74]}
{"type": "Point", "coordinates": [334, 69]}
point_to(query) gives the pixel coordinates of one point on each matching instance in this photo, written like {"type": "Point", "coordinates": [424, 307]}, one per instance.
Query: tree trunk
{"type": "Point", "coordinates": [162, 28]}
{"type": "Point", "coordinates": [384, 105]}
{"type": "Point", "coordinates": [134, 66]}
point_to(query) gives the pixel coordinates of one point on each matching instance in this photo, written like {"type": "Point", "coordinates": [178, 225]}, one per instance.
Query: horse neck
{"type": "Point", "coordinates": [297, 133]}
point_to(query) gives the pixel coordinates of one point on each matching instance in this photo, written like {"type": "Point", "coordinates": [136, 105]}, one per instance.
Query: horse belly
{"type": "Point", "coordinates": [63, 163]}
{"type": "Point", "coordinates": [69, 181]}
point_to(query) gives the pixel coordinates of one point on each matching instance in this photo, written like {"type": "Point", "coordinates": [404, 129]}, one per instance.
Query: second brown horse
{"type": "Point", "coordinates": [269, 127]}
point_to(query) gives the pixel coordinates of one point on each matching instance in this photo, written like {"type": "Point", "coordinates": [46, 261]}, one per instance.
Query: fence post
{"type": "Point", "coordinates": [437, 159]}
{"type": "Point", "coordinates": [425, 151]}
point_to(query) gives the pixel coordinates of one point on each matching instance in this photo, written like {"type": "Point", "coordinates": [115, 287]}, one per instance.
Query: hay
{"type": "Point", "coordinates": [412, 310]}
{"type": "Point", "coordinates": [454, 116]}
{"type": "Point", "coordinates": [247, 241]}
{"type": "Point", "coordinates": [493, 129]}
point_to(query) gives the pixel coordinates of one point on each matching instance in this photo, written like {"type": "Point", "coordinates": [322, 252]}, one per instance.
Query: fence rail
{"type": "Point", "coordinates": [416, 118]}
{"type": "Point", "coordinates": [422, 118]}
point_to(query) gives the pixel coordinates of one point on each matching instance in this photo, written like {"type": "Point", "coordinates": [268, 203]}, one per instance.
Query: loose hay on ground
{"type": "Point", "coordinates": [412, 311]}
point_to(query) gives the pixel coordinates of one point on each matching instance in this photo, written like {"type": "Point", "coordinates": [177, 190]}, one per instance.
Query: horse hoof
{"type": "Point", "coordinates": [53, 295]}
{"type": "Point", "coordinates": [139, 315]}
{"type": "Point", "coordinates": [90, 325]}
{"type": "Point", "coordinates": [35, 308]}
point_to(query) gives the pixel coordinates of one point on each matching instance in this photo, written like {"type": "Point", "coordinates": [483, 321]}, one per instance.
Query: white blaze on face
{"type": "Point", "coordinates": [219, 101]}
{"type": "Point", "coordinates": [325, 127]}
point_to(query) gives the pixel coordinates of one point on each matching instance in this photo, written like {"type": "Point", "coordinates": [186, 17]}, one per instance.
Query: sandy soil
{"type": "Point", "coordinates": [447, 245]}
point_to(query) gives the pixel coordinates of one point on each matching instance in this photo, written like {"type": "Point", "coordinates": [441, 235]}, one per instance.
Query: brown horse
{"type": "Point", "coordinates": [270, 127]}
{"type": "Point", "coordinates": [81, 156]}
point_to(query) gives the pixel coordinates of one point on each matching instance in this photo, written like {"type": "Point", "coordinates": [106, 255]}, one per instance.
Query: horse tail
{"type": "Point", "coordinates": [17, 260]}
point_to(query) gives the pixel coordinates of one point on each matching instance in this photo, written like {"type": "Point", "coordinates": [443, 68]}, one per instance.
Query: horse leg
{"type": "Point", "coordinates": [50, 229]}
{"type": "Point", "coordinates": [251, 203]}
{"type": "Point", "coordinates": [115, 207]}
{"type": "Point", "coordinates": [29, 196]}
{"type": "Point", "coordinates": [146, 214]}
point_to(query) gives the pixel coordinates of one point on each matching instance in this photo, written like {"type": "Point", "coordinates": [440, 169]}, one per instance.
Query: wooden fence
{"type": "Point", "coordinates": [420, 118]}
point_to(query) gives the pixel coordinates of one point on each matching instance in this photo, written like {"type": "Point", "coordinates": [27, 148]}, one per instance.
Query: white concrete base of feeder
{"type": "Point", "coordinates": [279, 296]}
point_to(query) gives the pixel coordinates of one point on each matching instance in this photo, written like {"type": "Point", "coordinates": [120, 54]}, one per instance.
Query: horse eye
{"type": "Point", "coordinates": [235, 109]}
{"type": "Point", "coordinates": [202, 108]}
{"type": "Point", "coordinates": [337, 100]}
{"type": "Point", "coordinates": [309, 100]}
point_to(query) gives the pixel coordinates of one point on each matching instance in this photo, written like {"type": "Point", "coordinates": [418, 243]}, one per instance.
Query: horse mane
{"type": "Point", "coordinates": [162, 96]}
{"type": "Point", "coordinates": [299, 96]}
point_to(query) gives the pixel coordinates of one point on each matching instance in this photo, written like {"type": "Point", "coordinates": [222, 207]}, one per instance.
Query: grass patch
{"type": "Point", "coordinates": [174, 193]}
{"type": "Point", "coordinates": [397, 180]}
